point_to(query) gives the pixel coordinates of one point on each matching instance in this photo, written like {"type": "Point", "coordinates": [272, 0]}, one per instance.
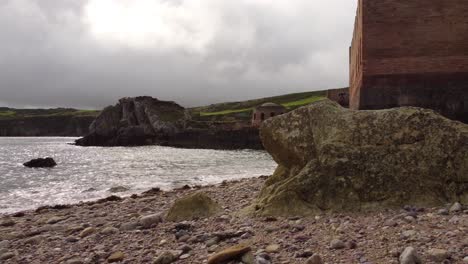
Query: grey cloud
{"type": "Point", "coordinates": [49, 57]}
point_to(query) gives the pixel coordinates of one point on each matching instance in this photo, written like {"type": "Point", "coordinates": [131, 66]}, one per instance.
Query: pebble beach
{"type": "Point", "coordinates": [134, 230]}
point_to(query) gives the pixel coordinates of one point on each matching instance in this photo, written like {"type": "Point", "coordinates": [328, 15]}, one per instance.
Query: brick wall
{"type": "Point", "coordinates": [414, 52]}
{"type": "Point", "coordinates": [356, 59]}
{"type": "Point", "coordinates": [411, 36]}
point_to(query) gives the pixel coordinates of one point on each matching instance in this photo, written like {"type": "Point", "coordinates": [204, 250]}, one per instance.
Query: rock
{"type": "Point", "coordinates": [262, 260]}
{"type": "Point", "coordinates": [166, 257]}
{"type": "Point", "coordinates": [185, 225]}
{"type": "Point", "coordinates": [197, 205]}
{"type": "Point", "coordinates": [118, 189]}
{"type": "Point", "coordinates": [150, 220]}
{"type": "Point", "coordinates": [75, 261]}
{"type": "Point", "coordinates": [456, 207]}
{"type": "Point", "coordinates": [7, 255]}
{"type": "Point", "coordinates": [248, 258]}
{"type": "Point", "coordinates": [129, 226]}
{"type": "Point", "coordinates": [7, 222]}
{"type": "Point", "coordinates": [18, 214]}
{"type": "Point", "coordinates": [109, 230]}
{"type": "Point", "coordinates": [408, 234]}
{"type": "Point", "coordinates": [181, 233]}
{"type": "Point", "coordinates": [35, 240]}
{"type": "Point", "coordinates": [410, 256]}
{"type": "Point", "coordinates": [351, 244]}
{"type": "Point", "coordinates": [465, 259]}
{"type": "Point", "coordinates": [152, 191]}
{"type": "Point", "coordinates": [438, 255]}
{"type": "Point", "coordinates": [71, 239]}
{"type": "Point", "coordinates": [443, 211]}
{"type": "Point", "coordinates": [54, 220]}
{"type": "Point", "coordinates": [232, 253]}
{"type": "Point", "coordinates": [334, 159]}
{"type": "Point", "coordinates": [273, 248]}
{"type": "Point", "coordinates": [41, 163]}
{"type": "Point", "coordinates": [4, 244]}
{"type": "Point", "coordinates": [391, 223]}
{"type": "Point", "coordinates": [185, 248]}
{"type": "Point", "coordinates": [184, 256]}
{"type": "Point", "coordinates": [116, 257]}
{"type": "Point", "coordinates": [87, 231]}
{"type": "Point", "coordinates": [304, 254]}
{"type": "Point", "coordinates": [212, 241]}
{"type": "Point", "coordinates": [315, 259]}
{"type": "Point", "coordinates": [111, 198]}
{"type": "Point", "coordinates": [135, 121]}
{"type": "Point", "coordinates": [337, 244]}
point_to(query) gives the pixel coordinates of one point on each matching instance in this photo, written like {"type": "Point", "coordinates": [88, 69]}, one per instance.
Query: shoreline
{"type": "Point", "coordinates": [54, 234]}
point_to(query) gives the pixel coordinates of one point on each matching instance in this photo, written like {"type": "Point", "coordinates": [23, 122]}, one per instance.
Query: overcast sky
{"type": "Point", "coordinates": [89, 53]}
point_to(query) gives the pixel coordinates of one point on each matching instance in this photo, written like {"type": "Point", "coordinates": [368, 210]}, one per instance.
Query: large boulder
{"type": "Point", "coordinates": [197, 205]}
{"type": "Point", "coordinates": [333, 159]}
{"type": "Point", "coordinates": [136, 121]}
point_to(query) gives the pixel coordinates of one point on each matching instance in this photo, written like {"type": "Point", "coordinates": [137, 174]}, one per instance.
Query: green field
{"type": "Point", "coordinates": [11, 113]}
{"type": "Point", "coordinates": [225, 112]}
{"type": "Point", "coordinates": [242, 110]}
{"type": "Point", "coordinates": [303, 102]}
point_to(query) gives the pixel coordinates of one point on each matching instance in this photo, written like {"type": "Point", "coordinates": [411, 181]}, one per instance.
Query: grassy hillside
{"type": "Point", "coordinates": [242, 110]}
{"type": "Point", "coordinates": [224, 112]}
{"type": "Point", "coordinates": [11, 113]}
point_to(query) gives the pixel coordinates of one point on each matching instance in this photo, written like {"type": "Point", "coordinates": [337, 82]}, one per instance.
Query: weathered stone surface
{"type": "Point", "coordinates": [109, 230]}
{"type": "Point", "coordinates": [150, 220]}
{"type": "Point", "coordinates": [437, 254]}
{"type": "Point", "coordinates": [315, 259]}
{"type": "Point", "coordinates": [7, 222]}
{"type": "Point", "coordinates": [116, 257]}
{"type": "Point", "coordinates": [197, 205]}
{"type": "Point", "coordinates": [166, 257]}
{"type": "Point", "coordinates": [456, 207]}
{"type": "Point", "coordinates": [88, 231]}
{"type": "Point", "coordinates": [337, 244]}
{"type": "Point", "coordinates": [232, 253]}
{"type": "Point", "coordinates": [410, 256]}
{"type": "Point", "coordinates": [331, 158]}
{"type": "Point", "coordinates": [273, 248]}
{"type": "Point", "coordinates": [41, 163]}
{"type": "Point", "coordinates": [7, 255]}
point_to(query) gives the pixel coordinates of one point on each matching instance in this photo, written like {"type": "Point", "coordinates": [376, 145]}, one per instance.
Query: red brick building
{"type": "Point", "coordinates": [411, 53]}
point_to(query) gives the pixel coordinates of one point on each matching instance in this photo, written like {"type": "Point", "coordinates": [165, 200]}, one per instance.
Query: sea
{"type": "Point", "coordinates": [88, 173]}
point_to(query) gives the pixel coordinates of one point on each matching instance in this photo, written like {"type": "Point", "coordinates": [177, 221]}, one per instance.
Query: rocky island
{"type": "Point", "coordinates": [395, 193]}
{"type": "Point", "coordinates": [148, 121]}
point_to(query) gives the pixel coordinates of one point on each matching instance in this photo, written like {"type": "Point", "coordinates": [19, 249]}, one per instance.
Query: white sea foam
{"type": "Point", "coordinates": [139, 168]}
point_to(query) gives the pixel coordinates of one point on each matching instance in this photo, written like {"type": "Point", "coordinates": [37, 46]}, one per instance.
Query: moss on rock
{"type": "Point", "coordinates": [197, 205]}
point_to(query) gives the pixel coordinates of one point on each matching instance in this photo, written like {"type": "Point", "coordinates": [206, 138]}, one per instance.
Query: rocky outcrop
{"type": "Point", "coordinates": [136, 121]}
{"type": "Point", "coordinates": [147, 121]}
{"type": "Point", "coordinates": [332, 159]}
{"type": "Point", "coordinates": [41, 163]}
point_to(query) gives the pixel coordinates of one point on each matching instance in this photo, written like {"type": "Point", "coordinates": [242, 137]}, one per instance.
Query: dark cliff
{"type": "Point", "coordinates": [45, 125]}
{"type": "Point", "coordinates": [148, 121]}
